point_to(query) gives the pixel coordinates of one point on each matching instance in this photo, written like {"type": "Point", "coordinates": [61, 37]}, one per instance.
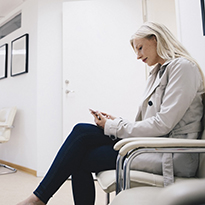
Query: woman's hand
{"type": "Point", "coordinates": [100, 118]}
{"type": "Point", "coordinates": [108, 116]}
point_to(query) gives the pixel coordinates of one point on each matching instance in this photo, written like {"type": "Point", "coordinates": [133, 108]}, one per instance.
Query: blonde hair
{"type": "Point", "coordinates": [168, 47]}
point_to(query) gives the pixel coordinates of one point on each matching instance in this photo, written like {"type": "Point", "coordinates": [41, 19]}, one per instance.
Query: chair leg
{"type": "Point", "coordinates": [12, 170]}
{"type": "Point", "coordinates": [107, 198]}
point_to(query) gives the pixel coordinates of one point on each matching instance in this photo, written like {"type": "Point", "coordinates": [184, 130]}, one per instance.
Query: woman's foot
{"type": "Point", "coordinates": [32, 200]}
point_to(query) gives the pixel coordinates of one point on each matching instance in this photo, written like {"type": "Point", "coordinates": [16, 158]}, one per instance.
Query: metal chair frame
{"type": "Point", "coordinates": [12, 170]}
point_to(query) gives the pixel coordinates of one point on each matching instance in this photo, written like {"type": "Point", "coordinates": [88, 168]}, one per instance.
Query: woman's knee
{"type": "Point", "coordinates": [83, 127]}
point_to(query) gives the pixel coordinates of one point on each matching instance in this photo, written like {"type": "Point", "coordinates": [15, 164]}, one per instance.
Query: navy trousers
{"type": "Point", "coordinates": [85, 150]}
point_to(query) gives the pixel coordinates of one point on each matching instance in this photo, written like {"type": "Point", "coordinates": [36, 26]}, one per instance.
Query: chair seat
{"type": "Point", "coordinates": [182, 193]}
{"type": "Point", "coordinates": [107, 179]}
{"type": "Point", "coordinates": [137, 195]}
{"type": "Point", "coordinates": [7, 116]}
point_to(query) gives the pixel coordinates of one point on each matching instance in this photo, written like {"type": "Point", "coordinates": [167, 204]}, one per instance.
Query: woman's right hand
{"type": "Point", "coordinates": [108, 116]}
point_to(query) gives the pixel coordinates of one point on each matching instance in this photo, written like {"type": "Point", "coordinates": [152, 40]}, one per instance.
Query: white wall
{"type": "Point", "coordinates": [21, 91]}
{"type": "Point", "coordinates": [190, 28]}
{"type": "Point", "coordinates": [38, 125]}
{"type": "Point", "coordinates": [162, 11]}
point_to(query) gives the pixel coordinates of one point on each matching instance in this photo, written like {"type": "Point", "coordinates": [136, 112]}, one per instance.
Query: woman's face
{"type": "Point", "coordinates": [146, 50]}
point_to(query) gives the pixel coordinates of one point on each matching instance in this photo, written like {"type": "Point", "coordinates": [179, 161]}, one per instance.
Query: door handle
{"type": "Point", "coordinates": [69, 91]}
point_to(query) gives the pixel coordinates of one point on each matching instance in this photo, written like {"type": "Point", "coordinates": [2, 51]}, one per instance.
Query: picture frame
{"type": "Point", "coordinates": [19, 55]}
{"type": "Point", "coordinates": [203, 15]}
{"type": "Point", "coordinates": [3, 60]}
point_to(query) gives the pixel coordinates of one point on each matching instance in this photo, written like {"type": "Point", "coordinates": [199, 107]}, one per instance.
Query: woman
{"type": "Point", "coordinates": [171, 107]}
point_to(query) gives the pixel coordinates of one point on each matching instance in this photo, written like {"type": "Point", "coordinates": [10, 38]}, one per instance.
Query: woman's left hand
{"type": "Point", "coordinates": [100, 118]}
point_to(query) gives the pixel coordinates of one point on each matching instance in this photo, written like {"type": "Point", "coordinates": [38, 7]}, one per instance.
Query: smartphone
{"type": "Point", "coordinates": [94, 112]}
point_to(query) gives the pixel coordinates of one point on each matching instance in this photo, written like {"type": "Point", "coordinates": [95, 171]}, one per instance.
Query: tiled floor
{"type": "Point", "coordinates": [18, 186]}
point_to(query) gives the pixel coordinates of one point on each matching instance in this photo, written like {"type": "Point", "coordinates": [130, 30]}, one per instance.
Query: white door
{"type": "Point", "coordinates": [100, 69]}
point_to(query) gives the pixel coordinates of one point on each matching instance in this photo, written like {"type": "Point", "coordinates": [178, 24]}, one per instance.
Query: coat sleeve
{"type": "Point", "coordinates": [182, 87]}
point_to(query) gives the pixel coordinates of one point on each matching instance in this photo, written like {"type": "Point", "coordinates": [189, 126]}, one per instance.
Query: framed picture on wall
{"type": "Point", "coordinates": [3, 60]}
{"type": "Point", "coordinates": [19, 55]}
{"type": "Point", "coordinates": [203, 15]}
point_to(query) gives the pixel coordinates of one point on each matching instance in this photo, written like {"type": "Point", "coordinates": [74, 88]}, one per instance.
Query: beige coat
{"type": "Point", "coordinates": [171, 107]}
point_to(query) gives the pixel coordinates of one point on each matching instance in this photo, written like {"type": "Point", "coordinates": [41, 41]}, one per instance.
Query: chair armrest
{"type": "Point", "coordinates": [136, 148]}
{"type": "Point", "coordinates": [122, 142]}
{"type": "Point", "coordinates": [4, 125]}
{"type": "Point", "coordinates": [163, 143]}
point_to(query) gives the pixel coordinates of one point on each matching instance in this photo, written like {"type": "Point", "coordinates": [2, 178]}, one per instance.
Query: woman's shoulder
{"type": "Point", "coordinates": [182, 62]}
{"type": "Point", "coordinates": [181, 65]}
{"type": "Point", "coordinates": [184, 68]}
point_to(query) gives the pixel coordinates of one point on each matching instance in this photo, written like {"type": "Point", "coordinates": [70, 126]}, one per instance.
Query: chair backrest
{"type": "Point", "coordinates": [201, 168]}
{"type": "Point", "coordinates": [6, 120]}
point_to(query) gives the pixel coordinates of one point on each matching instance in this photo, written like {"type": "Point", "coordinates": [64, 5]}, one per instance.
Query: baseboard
{"type": "Point", "coordinates": [21, 168]}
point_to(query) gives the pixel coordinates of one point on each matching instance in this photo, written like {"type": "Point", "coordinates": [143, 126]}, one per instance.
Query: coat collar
{"type": "Point", "coordinates": [154, 79]}
{"type": "Point", "coordinates": [158, 66]}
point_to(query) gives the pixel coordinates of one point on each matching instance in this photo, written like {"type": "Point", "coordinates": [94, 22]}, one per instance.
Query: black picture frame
{"type": "Point", "coordinates": [203, 15]}
{"type": "Point", "coordinates": [3, 60]}
{"type": "Point", "coordinates": [19, 55]}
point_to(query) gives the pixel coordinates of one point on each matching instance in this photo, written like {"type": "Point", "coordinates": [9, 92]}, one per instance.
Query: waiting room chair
{"type": "Point", "coordinates": [187, 192]}
{"type": "Point", "coordinates": [129, 148]}
{"type": "Point", "coordinates": [7, 116]}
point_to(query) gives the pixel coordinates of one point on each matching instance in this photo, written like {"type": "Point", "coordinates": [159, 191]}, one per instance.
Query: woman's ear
{"type": "Point", "coordinates": [154, 38]}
